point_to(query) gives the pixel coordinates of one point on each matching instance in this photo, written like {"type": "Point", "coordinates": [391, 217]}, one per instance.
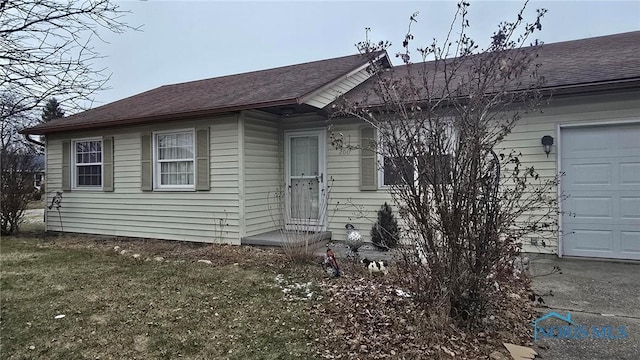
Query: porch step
{"type": "Point", "coordinates": [279, 238]}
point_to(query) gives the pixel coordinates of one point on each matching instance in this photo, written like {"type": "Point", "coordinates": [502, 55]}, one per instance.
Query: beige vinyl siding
{"type": "Point", "coordinates": [347, 203]}
{"type": "Point", "coordinates": [350, 205]}
{"type": "Point", "coordinates": [262, 172]}
{"type": "Point", "coordinates": [344, 85]}
{"type": "Point", "coordinates": [128, 211]}
{"type": "Point", "coordinates": [586, 109]}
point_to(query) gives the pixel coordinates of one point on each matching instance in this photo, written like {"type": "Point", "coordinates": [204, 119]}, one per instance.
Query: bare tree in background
{"type": "Point", "coordinates": [466, 206]}
{"type": "Point", "coordinates": [18, 167]}
{"type": "Point", "coordinates": [46, 51]}
{"type": "Point", "coordinates": [13, 118]}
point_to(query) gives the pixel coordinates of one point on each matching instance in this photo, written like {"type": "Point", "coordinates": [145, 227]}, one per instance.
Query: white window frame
{"type": "Point", "coordinates": [74, 165]}
{"type": "Point", "coordinates": [381, 156]}
{"type": "Point", "coordinates": [156, 162]}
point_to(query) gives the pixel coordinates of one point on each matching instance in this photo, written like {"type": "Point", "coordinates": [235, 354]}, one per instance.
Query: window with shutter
{"type": "Point", "coordinates": [175, 160]}
{"type": "Point", "coordinates": [86, 164]}
{"type": "Point", "coordinates": [430, 168]}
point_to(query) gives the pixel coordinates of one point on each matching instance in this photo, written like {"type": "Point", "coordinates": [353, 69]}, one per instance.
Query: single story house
{"type": "Point", "coordinates": [232, 158]}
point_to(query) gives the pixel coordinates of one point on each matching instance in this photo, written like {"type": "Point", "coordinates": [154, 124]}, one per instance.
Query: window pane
{"type": "Point", "coordinates": [434, 169]}
{"type": "Point", "coordinates": [175, 146]}
{"type": "Point", "coordinates": [176, 173]}
{"type": "Point", "coordinates": [89, 175]}
{"type": "Point", "coordinates": [175, 158]}
{"type": "Point", "coordinates": [88, 152]}
{"type": "Point", "coordinates": [397, 168]}
{"type": "Point", "coordinates": [304, 199]}
{"type": "Point", "coordinates": [304, 156]}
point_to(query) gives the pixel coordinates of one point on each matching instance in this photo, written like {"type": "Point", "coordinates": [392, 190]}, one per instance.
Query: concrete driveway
{"type": "Point", "coordinates": [603, 299]}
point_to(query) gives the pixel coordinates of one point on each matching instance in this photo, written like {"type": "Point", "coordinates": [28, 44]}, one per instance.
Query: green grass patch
{"type": "Point", "coordinates": [119, 307]}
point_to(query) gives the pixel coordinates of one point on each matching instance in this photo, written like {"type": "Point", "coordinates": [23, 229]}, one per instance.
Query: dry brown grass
{"type": "Point", "coordinates": [249, 303]}
{"type": "Point", "coordinates": [119, 307]}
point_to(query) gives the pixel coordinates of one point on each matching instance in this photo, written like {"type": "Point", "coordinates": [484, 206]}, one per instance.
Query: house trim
{"type": "Point", "coordinates": [241, 175]}
{"type": "Point", "coordinates": [321, 224]}
{"type": "Point", "coordinates": [74, 165]}
{"type": "Point", "coordinates": [559, 128]}
{"type": "Point", "coordinates": [312, 97]}
{"type": "Point", "coordinates": [156, 169]}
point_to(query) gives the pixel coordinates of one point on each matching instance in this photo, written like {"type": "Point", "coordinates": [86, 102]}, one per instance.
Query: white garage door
{"type": "Point", "coordinates": [601, 217]}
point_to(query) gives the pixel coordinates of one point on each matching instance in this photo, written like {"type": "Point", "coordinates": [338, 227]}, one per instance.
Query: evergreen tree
{"type": "Point", "coordinates": [385, 232]}
{"type": "Point", "coordinates": [52, 110]}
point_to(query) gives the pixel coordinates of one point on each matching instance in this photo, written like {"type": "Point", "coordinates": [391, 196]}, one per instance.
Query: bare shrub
{"type": "Point", "coordinates": [18, 167]}
{"type": "Point", "coordinates": [465, 205]}
{"type": "Point", "coordinates": [301, 224]}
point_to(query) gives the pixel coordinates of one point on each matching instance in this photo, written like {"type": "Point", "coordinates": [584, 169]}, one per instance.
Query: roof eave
{"type": "Point", "coordinates": [366, 64]}
{"type": "Point", "coordinates": [575, 89]}
{"type": "Point", "coordinates": [44, 129]}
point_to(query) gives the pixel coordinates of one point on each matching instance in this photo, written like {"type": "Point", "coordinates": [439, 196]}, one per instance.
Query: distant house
{"type": "Point", "coordinates": [32, 169]}
{"type": "Point", "coordinates": [38, 176]}
{"type": "Point", "coordinates": [202, 160]}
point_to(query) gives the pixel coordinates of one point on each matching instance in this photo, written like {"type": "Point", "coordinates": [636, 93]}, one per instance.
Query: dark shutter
{"type": "Point", "coordinates": [66, 165]}
{"type": "Point", "coordinates": [202, 159]}
{"type": "Point", "coordinates": [368, 159]}
{"type": "Point", "coordinates": [146, 165]}
{"type": "Point", "coordinates": [107, 164]}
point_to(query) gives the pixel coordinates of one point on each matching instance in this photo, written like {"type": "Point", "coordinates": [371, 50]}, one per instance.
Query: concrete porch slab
{"type": "Point", "coordinates": [277, 238]}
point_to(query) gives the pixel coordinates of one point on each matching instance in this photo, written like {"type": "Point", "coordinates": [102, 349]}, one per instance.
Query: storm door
{"type": "Point", "coordinates": [305, 180]}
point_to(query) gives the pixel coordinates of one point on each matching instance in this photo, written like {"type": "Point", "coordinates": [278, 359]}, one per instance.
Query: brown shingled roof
{"type": "Point", "coordinates": [575, 66]}
{"type": "Point", "coordinates": [272, 87]}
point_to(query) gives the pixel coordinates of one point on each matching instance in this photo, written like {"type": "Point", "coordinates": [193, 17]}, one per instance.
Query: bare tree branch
{"type": "Point", "coordinates": [45, 50]}
{"type": "Point", "coordinates": [465, 204]}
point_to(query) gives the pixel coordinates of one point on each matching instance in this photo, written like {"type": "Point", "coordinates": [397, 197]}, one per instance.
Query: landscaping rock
{"type": "Point", "coordinates": [136, 256]}
{"type": "Point", "coordinates": [208, 262]}
{"type": "Point", "coordinates": [514, 296]}
{"type": "Point", "coordinates": [124, 252]}
{"type": "Point", "coordinates": [158, 258]}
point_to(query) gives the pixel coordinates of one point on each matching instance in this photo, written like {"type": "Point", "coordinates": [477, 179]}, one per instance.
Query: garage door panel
{"type": "Point", "coordinates": [590, 207]}
{"type": "Point", "coordinates": [629, 141]}
{"type": "Point", "coordinates": [601, 216]}
{"type": "Point", "coordinates": [629, 173]}
{"type": "Point", "coordinates": [589, 174]}
{"type": "Point", "coordinates": [630, 243]}
{"type": "Point", "coordinates": [586, 143]}
{"type": "Point", "coordinates": [630, 208]}
{"type": "Point", "coordinates": [591, 240]}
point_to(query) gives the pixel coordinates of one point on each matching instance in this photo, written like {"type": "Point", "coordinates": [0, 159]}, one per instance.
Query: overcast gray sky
{"type": "Point", "coordinates": [190, 40]}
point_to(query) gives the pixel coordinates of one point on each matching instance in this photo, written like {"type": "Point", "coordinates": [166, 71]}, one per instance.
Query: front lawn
{"type": "Point", "coordinates": [118, 307]}
{"type": "Point", "coordinates": [73, 297]}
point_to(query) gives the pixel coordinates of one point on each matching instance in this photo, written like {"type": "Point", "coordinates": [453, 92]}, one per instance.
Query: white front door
{"type": "Point", "coordinates": [306, 200]}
